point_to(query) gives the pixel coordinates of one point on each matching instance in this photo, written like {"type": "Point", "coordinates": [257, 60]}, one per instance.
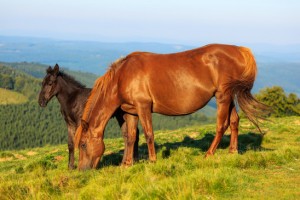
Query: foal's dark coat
{"type": "Point", "coordinates": [72, 96]}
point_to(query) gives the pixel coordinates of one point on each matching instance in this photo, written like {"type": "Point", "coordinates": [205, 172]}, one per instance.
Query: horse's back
{"type": "Point", "coordinates": [178, 83]}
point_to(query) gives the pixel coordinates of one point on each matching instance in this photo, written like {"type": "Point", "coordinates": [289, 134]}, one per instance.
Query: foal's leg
{"type": "Point", "coordinates": [71, 133]}
{"type": "Point", "coordinates": [223, 104]}
{"type": "Point", "coordinates": [144, 113]}
{"type": "Point", "coordinates": [234, 127]}
{"type": "Point", "coordinates": [132, 122]}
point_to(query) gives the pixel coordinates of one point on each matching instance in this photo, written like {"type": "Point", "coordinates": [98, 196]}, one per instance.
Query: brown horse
{"type": "Point", "coordinates": [170, 84]}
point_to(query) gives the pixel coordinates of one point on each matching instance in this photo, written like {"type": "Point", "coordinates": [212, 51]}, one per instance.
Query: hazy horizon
{"type": "Point", "coordinates": [188, 22]}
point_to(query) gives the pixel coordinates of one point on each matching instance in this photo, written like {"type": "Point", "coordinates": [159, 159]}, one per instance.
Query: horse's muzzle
{"type": "Point", "coordinates": [43, 102]}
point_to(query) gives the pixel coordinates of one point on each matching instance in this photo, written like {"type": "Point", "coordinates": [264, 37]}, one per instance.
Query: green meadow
{"type": "Point", "coordinates": [11, 97]}
{"type": "Point", "coordinates": [267, 167]}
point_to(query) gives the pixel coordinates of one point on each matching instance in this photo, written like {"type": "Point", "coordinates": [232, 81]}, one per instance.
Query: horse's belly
{"type": "Point", "coordinates": [181, 104]}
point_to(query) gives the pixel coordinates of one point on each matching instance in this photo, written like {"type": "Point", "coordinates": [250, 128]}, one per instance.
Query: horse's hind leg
{"type": "Point", "coordinates": [223, 104]}
{"type": "Point", "coordinates": [234, 127]}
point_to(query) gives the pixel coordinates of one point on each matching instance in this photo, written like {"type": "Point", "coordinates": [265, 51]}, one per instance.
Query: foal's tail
{"type": "Point", "coordinates": [240, 89]}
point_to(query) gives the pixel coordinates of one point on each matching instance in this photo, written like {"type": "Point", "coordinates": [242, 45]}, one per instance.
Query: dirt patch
{"type": "Point", "coordinates": [20, 157]}
{"type": "Point", "coordinates": [58, 158]}
{"type": "Point", "coordinates": [31, 153]}
{"type": "Point", "coordinates": [193, 134]}
{"type": "Point", "coordinates": [6, 159]}
{"type": "Point", "coordinates": [297, 122]}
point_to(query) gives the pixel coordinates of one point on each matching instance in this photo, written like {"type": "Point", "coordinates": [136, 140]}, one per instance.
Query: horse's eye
{"type": "Point", "coordinates": [50, 83]}
{"type": "Point", "coordinates": [83, 145]}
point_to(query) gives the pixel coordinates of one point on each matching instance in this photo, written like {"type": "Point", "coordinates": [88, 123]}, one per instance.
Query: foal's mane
{"type": "Point", "coordinates": [100, 89]}
{"type": "Point", "coordinates": [70, 79]}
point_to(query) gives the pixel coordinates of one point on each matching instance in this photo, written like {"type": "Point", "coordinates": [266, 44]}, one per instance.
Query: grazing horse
{"type": "Point", "coordinates": [72, 97]}
{"type": "Point", "coordinates": [171, 84]}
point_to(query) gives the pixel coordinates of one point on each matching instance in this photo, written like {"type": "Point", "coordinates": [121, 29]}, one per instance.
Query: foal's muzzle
{"type": "Point", "coordinates": [43, 102]}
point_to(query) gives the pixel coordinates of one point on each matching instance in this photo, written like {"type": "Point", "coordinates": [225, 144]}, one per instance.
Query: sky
{"type": "Point", "coordinates": [165, 21]}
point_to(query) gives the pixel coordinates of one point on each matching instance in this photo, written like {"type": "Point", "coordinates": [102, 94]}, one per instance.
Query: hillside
{"type": "Point", "coordinates": [11, 97]}
{"type": "Point", "coordinates": [268, 167]}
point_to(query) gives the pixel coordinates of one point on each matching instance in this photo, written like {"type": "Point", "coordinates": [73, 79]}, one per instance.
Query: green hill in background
{"type": "Point", "coordinates": [37, 70]}
{"type": "Point", "coordinates": [11, 97]}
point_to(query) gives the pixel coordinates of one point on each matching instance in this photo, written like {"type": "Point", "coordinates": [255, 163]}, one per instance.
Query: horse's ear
{"type": "Point", "coordinates": [49, 70]}
{"type": "Point", "coordinates": [84, 125]}
{"type": "Point", "coordinates": [56, 69]}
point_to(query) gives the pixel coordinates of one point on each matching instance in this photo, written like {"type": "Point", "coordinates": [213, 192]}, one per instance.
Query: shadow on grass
{"type": "Point", "coordinates": [246, 142]}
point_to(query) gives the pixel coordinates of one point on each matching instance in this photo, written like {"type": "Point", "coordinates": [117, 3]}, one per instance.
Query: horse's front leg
{"type": "Point", "coordinates": [71, 133]}
{"type": "Point", "coordinates": [131, 122]}
{"type": "Point", "coordinates": [120, 116]}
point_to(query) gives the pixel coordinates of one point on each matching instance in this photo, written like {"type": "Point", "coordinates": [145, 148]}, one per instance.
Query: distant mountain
{"type": "Point", "coordinates": [277, 64]}
{"type": "Point", "coordinates": [85, 56]}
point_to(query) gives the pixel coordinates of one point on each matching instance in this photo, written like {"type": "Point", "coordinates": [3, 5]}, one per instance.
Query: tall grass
{"type": "Point", "coordinates": [267, 167]}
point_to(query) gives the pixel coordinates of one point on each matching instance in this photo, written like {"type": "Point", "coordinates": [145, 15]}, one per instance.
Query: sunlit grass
{"type": "Point", "coordinates": [267, 167]}
{"type": "Point", "coordinates": [11, 97]}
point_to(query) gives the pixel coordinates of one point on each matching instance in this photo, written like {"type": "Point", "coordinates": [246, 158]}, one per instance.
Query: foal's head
{"type": "Point", "coordinates": [49, 86]}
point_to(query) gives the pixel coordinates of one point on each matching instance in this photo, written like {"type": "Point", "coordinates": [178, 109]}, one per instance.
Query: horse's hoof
{"type": "Point", "coordinates": [126, 164]}
{"type": "Point", "coordinates": [72, 167]}
{"type": "Point", "coordinates": [208, 154]}
{"type": "Point", "coordinates": [233, 151]}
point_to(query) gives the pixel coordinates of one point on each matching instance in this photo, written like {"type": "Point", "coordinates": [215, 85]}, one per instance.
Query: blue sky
{"type": "Point", "coordinates": [166, 21]}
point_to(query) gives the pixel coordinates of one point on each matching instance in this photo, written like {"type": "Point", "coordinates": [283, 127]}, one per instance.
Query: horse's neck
{"type": "Point", "coordinates": [106, 105]}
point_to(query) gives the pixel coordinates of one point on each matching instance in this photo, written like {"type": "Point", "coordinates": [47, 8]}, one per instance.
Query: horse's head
{"type": "Point", "coordinates": [49, 86]}
{"type": "Point", "coordinates": [91, 148]}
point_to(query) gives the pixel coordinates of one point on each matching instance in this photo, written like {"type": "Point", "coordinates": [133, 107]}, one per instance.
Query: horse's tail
{"type": "Point", "coordinates": [240, 90]}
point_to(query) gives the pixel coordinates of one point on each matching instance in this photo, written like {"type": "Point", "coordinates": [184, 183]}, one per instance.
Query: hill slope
{"type": "Point", "coordinates": [11, 97]}
{"type": "Point", "coordinates": [267, 168]}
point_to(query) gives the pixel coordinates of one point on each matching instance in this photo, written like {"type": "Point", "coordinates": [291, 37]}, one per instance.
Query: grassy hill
{"type": "Point", "coordinates": [268, 167]}
{"type": "Point", "coordinates": [11, 97]}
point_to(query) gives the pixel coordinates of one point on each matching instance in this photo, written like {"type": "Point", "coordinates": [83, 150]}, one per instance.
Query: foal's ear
{"type": "Point", "coordinates": [49, 70]}
{"type": "Point", "coordinates": [55, 69]}
{"type": "Point", "coordinates": [84, 125]}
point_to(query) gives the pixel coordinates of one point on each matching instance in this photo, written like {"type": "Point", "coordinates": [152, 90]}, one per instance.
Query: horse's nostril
{"type": "Point", "coordinates": [42, 103]}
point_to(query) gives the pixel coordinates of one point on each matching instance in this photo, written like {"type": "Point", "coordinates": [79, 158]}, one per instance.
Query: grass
{"type": "Point", "coordinates": [267, 167]}
{"type": "Point", "coordinates": [11, 97]}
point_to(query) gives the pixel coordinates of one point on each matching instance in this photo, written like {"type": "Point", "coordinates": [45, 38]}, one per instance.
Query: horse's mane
{"type": "Point", "coordinates": [100, 89]}
{"type": "Point", "coordinates": [70, 79]}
